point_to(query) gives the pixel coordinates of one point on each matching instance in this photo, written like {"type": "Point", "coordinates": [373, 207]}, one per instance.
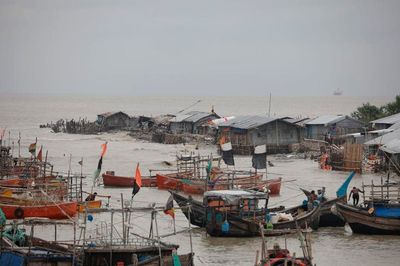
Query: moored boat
{"type": "Point", "coordinates": [60, 210]}
{"type": "Point", "coordinates": [369, 220]}
{"type": "Point", "coordinates": [112, 180]}
{"type": "Point", "coordinates": [172, 181]}
{"type": "Point", "coordinates": [195, 186]}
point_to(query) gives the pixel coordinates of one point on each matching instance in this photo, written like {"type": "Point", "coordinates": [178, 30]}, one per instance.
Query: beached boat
{"type": "Point", "coordinates": [381, 219]}
{"type": "Point", "coordinates": [59, 210]}
{"type": "Point", "coordinates": [111, 180]}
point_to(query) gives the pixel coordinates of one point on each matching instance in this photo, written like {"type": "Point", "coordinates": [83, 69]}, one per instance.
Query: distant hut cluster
{"type": "Point", "coordinates": [339, 142]}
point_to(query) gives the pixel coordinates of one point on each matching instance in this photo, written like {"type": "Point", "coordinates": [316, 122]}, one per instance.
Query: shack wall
{"type": "Point", "coordinates": [181, 127]}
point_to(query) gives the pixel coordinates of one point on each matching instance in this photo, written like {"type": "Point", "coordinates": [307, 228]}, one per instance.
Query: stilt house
{"type": "Point", "coordinates": [246, 132]}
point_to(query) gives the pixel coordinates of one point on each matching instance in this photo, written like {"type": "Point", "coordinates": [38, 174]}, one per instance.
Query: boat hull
{"type": "Point", "coordinates": [198, 187]}
{"type": "Point", "coordinates": [172, 181]}
{"type": "Point", "coordinates": [51, 211]}
{"type": "Point", "coordinates": [122, 181]}
{"type": "Point", "coordinates": [197, 210]}
{"type": "Point", "coordinates": [362, 222]}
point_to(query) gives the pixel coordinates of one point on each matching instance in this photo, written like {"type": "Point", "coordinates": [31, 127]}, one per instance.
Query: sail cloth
{"type": "Point", "coordinates": [259, 160]}
{"type": "Point", "coordinates": [342, 191]}
{"type": "Point", "coordinates": [227, 153]}
{"type": "Point", "coordinates": [138, 181]}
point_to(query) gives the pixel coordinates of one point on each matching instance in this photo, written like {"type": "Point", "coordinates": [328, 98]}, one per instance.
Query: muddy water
{"type": "Point", "coordinates": [331, 246]}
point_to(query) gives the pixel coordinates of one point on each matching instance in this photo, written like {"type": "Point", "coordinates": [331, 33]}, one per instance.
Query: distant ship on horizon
{"type": "Point", "coordinates": [337, 92]}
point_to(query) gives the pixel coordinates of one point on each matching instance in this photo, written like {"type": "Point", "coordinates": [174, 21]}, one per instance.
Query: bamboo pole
{"type": "Point", "coordinates": [158, 239]}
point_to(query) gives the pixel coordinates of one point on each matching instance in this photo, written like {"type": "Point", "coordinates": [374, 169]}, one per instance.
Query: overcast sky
{"type": "Point", "coordinates": [200, 47]}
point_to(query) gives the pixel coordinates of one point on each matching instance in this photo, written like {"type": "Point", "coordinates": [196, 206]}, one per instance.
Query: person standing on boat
{"type": "Point", "coordinates": [91, 197]}
{"type": "Point", "coordinates": [356, 196]}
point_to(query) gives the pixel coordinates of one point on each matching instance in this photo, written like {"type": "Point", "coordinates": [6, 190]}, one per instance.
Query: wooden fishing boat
{"type": "Point", "coordinates": [111, 180]}
{"type": "Point", "coordinates": [94, 204]}
{"type": "Point", "coordinates": [367, 221]}
{"type": "Point", "coordinates": [172, 181]}
{"type": "Point", "coordinates": [198, 210]}
{"type": "Point", "coordinates": [329, 218]}
{"type": "Point", "coordinates": [236, 214]}
{"type": "Point", "coordinates": [194, 186]}
{"type": "Point", "coordinates": [59, 210]}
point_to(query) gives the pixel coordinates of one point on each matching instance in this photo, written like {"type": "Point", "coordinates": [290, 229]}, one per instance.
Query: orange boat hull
{"type": "Point", "coordinates": [171, 181]}
{"type": "Point", "coordinates": [51, 211]}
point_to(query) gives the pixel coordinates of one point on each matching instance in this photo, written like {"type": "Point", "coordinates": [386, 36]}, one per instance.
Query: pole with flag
{"type": "Point", "coordinates": [169, 210]}
{"type": "Point", "coordinates": [97, 172]}
{"type": "Point", "coordinates": [138, 182]}
{"type": "Point", "coordinates": [227, 152]}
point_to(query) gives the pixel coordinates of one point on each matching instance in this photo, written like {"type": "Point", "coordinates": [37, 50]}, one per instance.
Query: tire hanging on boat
{"type": "Point", "coordinates": [19, 213]}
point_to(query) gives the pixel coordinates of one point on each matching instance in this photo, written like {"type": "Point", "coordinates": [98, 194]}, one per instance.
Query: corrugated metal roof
{"type": "Point", "coordinates": [248, 121]}
{"type": "Point", "coordinates": [393, 119]}
{"type": "Point", "coordinates": [326, 119]}
{"type": "Point", "coordinates": [392, 147]}
{"type": "Point", "coordinates": [108, 114]}
{"type": "Point", "coordinates": [385, 139]}
{"type": "Point", "coordinates": [192, 116]}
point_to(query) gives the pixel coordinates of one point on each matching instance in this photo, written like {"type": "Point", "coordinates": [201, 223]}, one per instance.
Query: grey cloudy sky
{"type": "Point", "coordinates": [200, 47]}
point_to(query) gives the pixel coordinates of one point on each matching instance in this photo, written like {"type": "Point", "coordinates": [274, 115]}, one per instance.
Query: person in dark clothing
{"type": "Point", "coordinates": [356, 196]}
{"type": "Point", "coordinates": [91, 197]}
{"type": "Point", "coordinates": [313, 196]}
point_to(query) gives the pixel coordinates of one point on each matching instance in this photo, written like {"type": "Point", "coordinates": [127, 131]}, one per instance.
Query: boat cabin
{"type": "Point", "coordinates": [235, 200]}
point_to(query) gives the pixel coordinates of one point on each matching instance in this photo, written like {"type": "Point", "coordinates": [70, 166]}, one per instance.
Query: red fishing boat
{"type": "Point", "coordinates": [61, 210]}
{"type": "Point", "coordinates": [172, 181]}
{"type": "Point", "coordinates": [192, 186]}
{"type": "Point", "coordinates": [112, 180]}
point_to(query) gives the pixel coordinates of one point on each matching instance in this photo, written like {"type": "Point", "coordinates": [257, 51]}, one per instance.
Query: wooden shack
{"type": "Point", "coordinates": [193, 122]}
{"type": "Point", "coordinates": [385, 122]}
{"type": "Point", "coordinates": [113, 120]}
{"type": "Point", "coordinates": [328, 127]}
{"type": "Point", "coordinates": [246, 132]}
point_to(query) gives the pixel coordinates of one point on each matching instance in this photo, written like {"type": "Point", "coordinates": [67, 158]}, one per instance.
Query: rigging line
{"type": "Point", "coordinates": [275, 203]}
{"type": "Point", "coordinates": [184, 109]}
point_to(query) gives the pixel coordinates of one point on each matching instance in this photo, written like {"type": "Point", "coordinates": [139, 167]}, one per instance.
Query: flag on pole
{"type": "Point", "coordinates": [259, 160]}
{"type": "Point", "coordinates": [81, 162]}
{"type": "Point", "coordinates": [169, 207]}
{"type": "Point", "coordinates": [103, 149]}
{"type": "Point", "coordinates": [227, 153]}
{"type": "Point", "coordinates": [32, 148]}
{"type": "Point", "coordinates": [138, 181]}
{"type": "Point", "coordinates": [40, 156]}
{"type": "Point", "coordinates": [96, 173]}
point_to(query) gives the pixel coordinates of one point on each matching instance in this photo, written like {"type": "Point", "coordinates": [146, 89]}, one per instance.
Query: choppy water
{"type": "Point", "coordinates": [331, 246]}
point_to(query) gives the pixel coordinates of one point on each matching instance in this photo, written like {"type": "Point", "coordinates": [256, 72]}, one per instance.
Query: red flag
{"type": "Point", "coordinates": [103, 149]}
{"type": "Point", "coordinates": [138, 176]}
{"type": "Point", "coordinates": [138, 181]}
{"type": "Point", "coordinates": [39, 156]}
{"type": "Point", "coordinates": [169, 207]}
